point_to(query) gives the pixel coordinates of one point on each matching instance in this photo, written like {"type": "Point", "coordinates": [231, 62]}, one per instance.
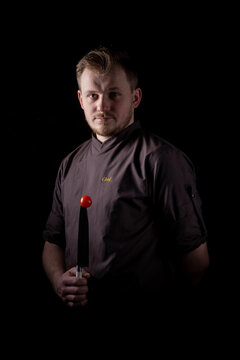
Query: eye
{"type": "Point", "coordinates": [113, 94]}
{"type": "Point", "coordinates": [92, 96]}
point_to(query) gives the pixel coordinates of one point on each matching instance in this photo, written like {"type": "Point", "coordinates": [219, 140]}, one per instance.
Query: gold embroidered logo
{"type": "Point", "coordinates": [106, 179]}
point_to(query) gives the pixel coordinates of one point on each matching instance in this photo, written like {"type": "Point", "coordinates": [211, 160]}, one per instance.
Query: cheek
{"type": "Point", "coordinates": [123, 106]}
{"type": "Point", "coordinates": [87, 107]}
{"type": "Point", "coordinates": [127, 106]}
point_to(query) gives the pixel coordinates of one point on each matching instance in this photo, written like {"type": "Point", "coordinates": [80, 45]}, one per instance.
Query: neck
{"type": "Point", "coordinates": [103, 138]}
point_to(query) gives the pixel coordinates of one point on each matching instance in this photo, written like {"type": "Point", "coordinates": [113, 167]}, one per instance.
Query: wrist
{"type": "Point", "coordinates": [56, 282]}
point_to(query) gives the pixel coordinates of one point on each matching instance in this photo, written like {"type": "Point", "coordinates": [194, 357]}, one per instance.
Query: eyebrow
{"type": "Point", "coordinates": [96, 91]}
{"type": "Point", "coordinates": [114, 88]}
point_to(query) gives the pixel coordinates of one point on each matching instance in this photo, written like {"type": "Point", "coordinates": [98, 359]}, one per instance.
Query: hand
{"type": "Point", "coordinates": [73, 290]}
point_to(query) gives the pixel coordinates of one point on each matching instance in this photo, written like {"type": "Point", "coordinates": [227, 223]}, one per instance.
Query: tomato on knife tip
{"type": "Point", "coordinates": [85, 201]}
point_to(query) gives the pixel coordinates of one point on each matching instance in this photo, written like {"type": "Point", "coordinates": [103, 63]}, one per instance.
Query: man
{"type": "Point", "coordinates": [146, 232]}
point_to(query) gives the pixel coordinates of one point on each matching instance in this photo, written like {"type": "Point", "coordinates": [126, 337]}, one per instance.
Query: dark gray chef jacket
{"type": "Point", "coordinates": [145, 213]}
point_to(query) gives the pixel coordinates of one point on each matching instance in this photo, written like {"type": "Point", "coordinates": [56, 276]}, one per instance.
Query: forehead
{"type": "Point", "coordinates": [95, 80]}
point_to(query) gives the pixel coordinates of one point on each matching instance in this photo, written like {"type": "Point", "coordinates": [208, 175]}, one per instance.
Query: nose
{"type": "Point", "coordinates": [103, 103]}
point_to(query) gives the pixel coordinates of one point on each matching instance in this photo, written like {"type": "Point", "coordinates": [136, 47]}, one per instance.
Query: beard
{"type": "Point", "coordinates": [112, 127]}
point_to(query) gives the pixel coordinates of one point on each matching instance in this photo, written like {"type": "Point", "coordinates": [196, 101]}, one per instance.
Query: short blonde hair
{"type": "Point", "coordinates": [103, 59]}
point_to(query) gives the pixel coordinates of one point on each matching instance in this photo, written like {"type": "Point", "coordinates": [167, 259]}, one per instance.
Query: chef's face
{"type": "Point", "coordinates": [108, 101]}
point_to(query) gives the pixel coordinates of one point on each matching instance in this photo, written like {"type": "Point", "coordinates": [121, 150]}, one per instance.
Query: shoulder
{"type": "Point", "coordinates": [75, 156]}
{"type": "Point", "coordinates": [160, 149]}
{"type": "Point", "coordinates": [79, 151]}
{"type": "Point", "coordinates": [163, 159]}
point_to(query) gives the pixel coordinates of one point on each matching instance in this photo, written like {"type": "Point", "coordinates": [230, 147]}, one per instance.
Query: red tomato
{"type": "Point", "coordinates": [86, 201]}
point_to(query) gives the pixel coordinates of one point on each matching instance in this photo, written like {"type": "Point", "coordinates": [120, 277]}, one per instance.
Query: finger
{"type": "Point", "coordinates": [75, 298]}
{"type": "Point", "coordinates": [72, 271]}
{"type": "Point", "coordinates": [75, 290]}
{"type": "Point", "coordinates": [77, 304]}
{"type": "Point", "coordinates": [73, 301]}
{"type": "Point", "coordinates": [74, 281]}
{"type": "Point", "coordinates": [86, 274]}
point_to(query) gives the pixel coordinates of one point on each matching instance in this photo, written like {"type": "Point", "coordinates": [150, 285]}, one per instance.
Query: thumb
{"type": "Point", "coordinates": [86, 274]}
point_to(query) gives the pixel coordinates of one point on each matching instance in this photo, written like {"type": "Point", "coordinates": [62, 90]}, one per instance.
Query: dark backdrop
{"type": "Point", "coordinates": [184, 59]}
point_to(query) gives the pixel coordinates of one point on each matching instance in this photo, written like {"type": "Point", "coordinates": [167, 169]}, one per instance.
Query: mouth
{"type": "Point", "coordinates": [103, 118]}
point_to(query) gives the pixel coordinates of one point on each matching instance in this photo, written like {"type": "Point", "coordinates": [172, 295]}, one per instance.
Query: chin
{"type": "Point", "coordinates": [104, 130]}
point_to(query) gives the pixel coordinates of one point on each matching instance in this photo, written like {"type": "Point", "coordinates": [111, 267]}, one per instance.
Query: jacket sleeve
{"type": "Point", "coordinates": [177, 201]}
{"type": "Point", "coordinates": [54, 228]}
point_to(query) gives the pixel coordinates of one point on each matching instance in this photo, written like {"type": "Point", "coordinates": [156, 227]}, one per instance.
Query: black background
{"type": "Point", "coordinates": [186, 60]}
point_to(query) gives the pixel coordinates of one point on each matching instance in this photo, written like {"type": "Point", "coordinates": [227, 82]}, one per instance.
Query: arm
{"type": "Point", "coordinates": [195, 263]}
{"type": "Point", "coordinates": [71, 290]}
{"type": "Point", "coordinates": [178, 195]}
{"type": "Point", "coordinates": [53, 262]}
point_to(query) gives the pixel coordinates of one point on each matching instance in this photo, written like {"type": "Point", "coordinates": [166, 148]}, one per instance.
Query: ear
{"type": "Point", "coordinates": [80, 99]}
{"type": "Point", "coordinates": [137, 96]}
